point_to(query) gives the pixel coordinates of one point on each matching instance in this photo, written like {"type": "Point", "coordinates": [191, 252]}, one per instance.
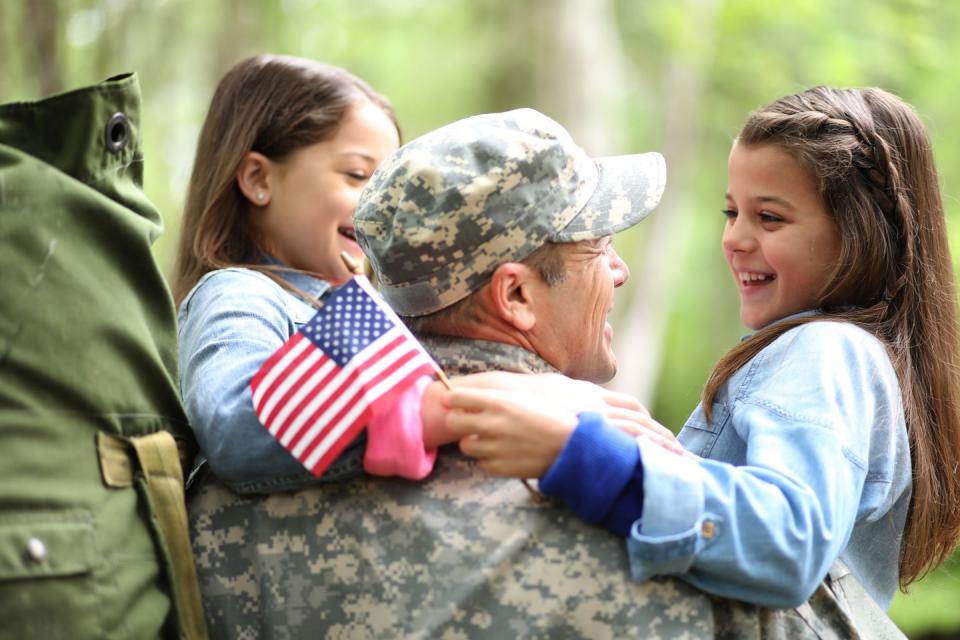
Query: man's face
{"type": "Point", "coordinates": [571, 331]}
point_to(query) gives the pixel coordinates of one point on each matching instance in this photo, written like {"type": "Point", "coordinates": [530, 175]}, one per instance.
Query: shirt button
{"type": "Point", "coordinates": [708, 530]}
{"type": "Point", "coordinates": [36, 550]}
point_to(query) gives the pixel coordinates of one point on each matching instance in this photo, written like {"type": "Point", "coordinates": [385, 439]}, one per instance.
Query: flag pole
{"type": "Point", "coordinates": [354, 267]}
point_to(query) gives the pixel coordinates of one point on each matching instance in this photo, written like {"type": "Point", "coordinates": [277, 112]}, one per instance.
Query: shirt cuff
{"type": "Point", "coordinates": [673, 527]}
{"type": "Point", "coordinates": [395, 438]}
{"type": "Point", "coordinates": [594, 466]}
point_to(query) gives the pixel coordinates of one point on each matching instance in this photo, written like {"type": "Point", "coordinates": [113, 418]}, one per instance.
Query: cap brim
{"type": "Point", "coordinates": [628, 189]}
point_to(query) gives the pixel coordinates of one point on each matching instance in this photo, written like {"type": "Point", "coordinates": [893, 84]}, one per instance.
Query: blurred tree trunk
{"type": "Point", "coordinates": [8, 67]}
{"type": "Point", "coordinates": [119, 36]}
{"type": "Point", "coordinates": [659, 265]}
{"type": "Point", "coordinates": [43, 26]}
{"type": "Point", "coordinates": [234, 39]}
{"type": "Point", "coordinates": [580, 70]}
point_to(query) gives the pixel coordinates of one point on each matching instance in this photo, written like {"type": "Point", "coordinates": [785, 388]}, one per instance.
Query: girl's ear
{"type": "Point", "coordinates": [512, 292]}
{"type": "Point", "coordinates": [254, 177]}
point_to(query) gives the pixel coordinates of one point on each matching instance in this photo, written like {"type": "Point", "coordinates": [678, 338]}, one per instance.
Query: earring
{"type": "Point", "coordinates": [260, 196]}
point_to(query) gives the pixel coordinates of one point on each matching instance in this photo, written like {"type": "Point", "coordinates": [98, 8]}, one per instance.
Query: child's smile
{"type": "Point", "coordinates": [751, 279]}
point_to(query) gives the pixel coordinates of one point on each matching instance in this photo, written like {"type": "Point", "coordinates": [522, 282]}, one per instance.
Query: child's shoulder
{"type": "Point", "coordinates": [807, 368]}
{"type": "Point", "coordinates": [232, 282]}
{"type": "Point", "coordinates": [827, 339]}
{"type": "Point", "coordinates": [237, 276]}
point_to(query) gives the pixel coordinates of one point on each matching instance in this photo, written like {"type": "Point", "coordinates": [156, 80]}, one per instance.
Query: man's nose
{"type": "Point", "coordinates": [621, 272]}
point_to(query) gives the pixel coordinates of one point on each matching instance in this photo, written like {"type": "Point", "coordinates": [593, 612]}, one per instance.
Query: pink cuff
{"type": "Point", "coordinates": [395, 438]}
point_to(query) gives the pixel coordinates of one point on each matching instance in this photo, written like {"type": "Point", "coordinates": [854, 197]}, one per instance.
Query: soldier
{"type": "Point", "coordinates": [465, 555]}
{"type": "Point", "coordinates": [92, 520]}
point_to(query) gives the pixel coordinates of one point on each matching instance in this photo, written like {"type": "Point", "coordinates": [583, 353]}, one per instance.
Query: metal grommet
{"type": "Point", "coordinates": [117, 133]}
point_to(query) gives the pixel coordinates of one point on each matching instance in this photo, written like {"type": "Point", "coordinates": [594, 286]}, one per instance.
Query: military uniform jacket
{"type": "Point", "coordinates": [459, 555]}
{"type": "Point", "coordinates": [92, 520]}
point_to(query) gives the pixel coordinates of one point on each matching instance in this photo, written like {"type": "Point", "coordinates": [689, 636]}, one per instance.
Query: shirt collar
{"type": "Point", "coordinates": [792, 316]}
{"type": "Point", "coordinates": [307, 283]}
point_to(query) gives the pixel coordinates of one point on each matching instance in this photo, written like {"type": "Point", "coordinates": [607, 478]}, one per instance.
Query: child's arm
{"type": "Point", "coordinates": [434, 415]}
{"type": "Point", "coordinates": [402, 438]}
{"type": "Point", "coordinates": [229, 326]}
{"type": "Point", "coordinates": [810, 455]}
{"type": "Point", "coordinates": [518, 424]}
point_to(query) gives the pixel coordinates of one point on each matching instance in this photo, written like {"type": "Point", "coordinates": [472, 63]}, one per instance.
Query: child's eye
{"type": "Point", "coordinates": [729, 214]}
{"type": "Point", "coordinates": [769, 218]}
{"type": "Point", "coordinates": [357, 175]}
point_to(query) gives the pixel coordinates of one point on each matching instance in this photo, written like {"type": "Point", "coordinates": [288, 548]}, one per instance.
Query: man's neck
{"type": "Point", "coordinates": [462, 356]}
{"type": "Point", "coordinates": [492, 329]}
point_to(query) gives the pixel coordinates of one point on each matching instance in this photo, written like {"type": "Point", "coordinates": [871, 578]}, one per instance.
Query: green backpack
{"type": "Point", "coordinates": [93, 539]}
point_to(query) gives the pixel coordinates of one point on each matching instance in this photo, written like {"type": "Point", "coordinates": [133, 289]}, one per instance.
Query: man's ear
{"type": "Point", "coordinates": [513, 290]}
{"type": "Point", "coordinates": [254, 177]}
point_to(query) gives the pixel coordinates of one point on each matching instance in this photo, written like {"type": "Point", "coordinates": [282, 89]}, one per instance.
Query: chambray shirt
{"type": "Point", "coordinates": [806, 460]}
{"type": "Point", "coordinates": [229, 324]}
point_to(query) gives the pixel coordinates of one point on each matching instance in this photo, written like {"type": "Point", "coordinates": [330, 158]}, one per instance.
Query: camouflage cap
{"type": "Point", "coordinates": [446, 209]}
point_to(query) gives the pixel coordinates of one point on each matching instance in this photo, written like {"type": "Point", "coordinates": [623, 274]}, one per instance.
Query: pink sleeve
{"type": "Point", "coordinates": [395, 438]}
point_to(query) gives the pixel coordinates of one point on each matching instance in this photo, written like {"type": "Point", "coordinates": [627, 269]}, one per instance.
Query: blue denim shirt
{"type": "Point", "coordinates": [229, 324]}
{"type": "Point", "coordinates": [806, 460]}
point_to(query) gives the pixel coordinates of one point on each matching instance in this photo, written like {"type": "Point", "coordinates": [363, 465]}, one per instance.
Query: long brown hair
{"type": "Point", "coordinates": [274, 105]}
{"type": "Point", "coordinates": [872, 162]}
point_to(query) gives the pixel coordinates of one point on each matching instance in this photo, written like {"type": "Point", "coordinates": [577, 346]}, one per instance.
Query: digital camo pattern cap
{"type": "Point", "coordinates": [446, 209]}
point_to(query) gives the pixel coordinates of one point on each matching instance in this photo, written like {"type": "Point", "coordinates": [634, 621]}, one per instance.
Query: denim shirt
{"type": "Point", "coordinates": [806, 460]}
{"type": "Point", "coordinates": [229, 324]}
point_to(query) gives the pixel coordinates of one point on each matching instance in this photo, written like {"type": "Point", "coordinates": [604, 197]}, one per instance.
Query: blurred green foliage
{"type": "Point", "coordinates": [442, 60]}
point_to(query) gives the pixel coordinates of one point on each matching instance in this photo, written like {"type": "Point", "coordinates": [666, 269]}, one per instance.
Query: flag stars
{"type": "Point", "coordinates": [348, 322]}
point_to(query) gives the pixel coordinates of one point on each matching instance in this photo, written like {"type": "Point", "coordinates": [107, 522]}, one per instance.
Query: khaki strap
{"type": "Point", "coordinates": [820, 628]}
{"type": "Point", "coordinates": [162, 481]}
{"type": "Point", "coordinates": [869, 618]}
{"type": "Point", "coordinates": [115, 464]}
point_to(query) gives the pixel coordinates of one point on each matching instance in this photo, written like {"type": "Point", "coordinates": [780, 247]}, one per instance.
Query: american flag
{"type": "Point", "coordinates": [317, 392]}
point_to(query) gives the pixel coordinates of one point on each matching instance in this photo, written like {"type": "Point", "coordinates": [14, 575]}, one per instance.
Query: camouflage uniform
{"type": "Point", "coordinates": [461, 555]}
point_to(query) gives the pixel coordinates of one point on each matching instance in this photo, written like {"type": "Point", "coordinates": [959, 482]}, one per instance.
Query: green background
{"type": "Point", "coordinates": [677, 76]}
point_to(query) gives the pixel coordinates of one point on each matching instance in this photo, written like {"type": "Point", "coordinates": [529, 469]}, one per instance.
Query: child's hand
{"type": "Point", "coordinates": [510, 433]}
{"type": "Point", "coordinates": [562, 393]}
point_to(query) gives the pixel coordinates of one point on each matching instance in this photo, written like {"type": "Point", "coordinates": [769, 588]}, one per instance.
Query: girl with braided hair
{"type": "Point", "coordinates": [831, 435]}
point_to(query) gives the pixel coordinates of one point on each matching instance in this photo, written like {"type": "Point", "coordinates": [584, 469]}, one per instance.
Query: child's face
{"type": "Point", "coordinates": [314, 192]}
{"type": "Point", "coordinates": [780, 241]}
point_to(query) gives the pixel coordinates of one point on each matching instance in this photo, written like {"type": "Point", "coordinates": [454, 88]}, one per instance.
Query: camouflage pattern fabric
{"type": "Point", "coordinates": [446, 209]}
{"type": "Point", "coordinates": [460, 555]}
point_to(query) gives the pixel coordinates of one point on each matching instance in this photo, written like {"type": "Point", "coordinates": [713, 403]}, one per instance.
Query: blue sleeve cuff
{"type": "Point", "coordinates": [592, 470]}
{"type": "Point", "coordinates": [628, 508]}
